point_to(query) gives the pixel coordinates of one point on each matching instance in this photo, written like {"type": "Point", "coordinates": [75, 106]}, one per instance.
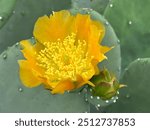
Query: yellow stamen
{"type": "Point", "coordinates": [66, 59]}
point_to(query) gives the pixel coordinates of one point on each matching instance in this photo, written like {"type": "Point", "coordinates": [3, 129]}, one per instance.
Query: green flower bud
{"type": "Point", "coordinates": [106, 85]}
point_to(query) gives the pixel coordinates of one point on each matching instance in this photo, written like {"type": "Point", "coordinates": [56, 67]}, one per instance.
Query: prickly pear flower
{"type": "Point", "coordinates": [65, 54]}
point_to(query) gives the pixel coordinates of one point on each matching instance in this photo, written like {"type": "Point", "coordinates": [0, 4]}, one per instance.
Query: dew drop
{"type": "Point", "coordinates": [114, 101]}
{"type": "Point", "coordinates": [118, 41]}
{"type": "Point", "coordinates": [117, 92]}
{"type": "Point", "coordinates": [107, 101]}
{"type": "Point", "coordinates": [130, 22]}
{"type": "Point", "coordinates": [98, 105]}
{"type": "Point", "coordinates": [4, 56]}
{"type": "Point", "coordinates": [86, 99]}
{"type": "Point", "coordinates": [117, 98]}
{"type": "Point", "coordinates": [111, 5]}
{"type": "Point", "coordinates": [138, 59]}
{"type": "Point", "coordinates": [1, 18]}
{"type": "Point", "coordinates": [112, 98]}
{"type": "Point", "coordinates": [17, 44]}
{"type": "Point", "coordinates": [90, 90]}
{"type": "Point", "coordinates": [91, 97]}
{"type": "Point", "coordinates": [20, 89]}
{"type": "Point", "coordinates": [88, 10]}
{"type": "Point", "coordinates": [98, 98]}
{"type": "Point", "coordinates": [32, 40]}
{"type": "Point", "coordinates": [106, 23]}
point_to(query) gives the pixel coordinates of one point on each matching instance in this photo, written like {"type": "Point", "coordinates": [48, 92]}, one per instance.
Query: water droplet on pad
{"type": "Point", "coordinates": [20, 89]}
{"type": "Point", "coordinates": [1, 18]}
{"type": "Point", "coordinates": [130, 22]}
{"type": "Point", "coordinates": [114, 101]}
{"type": "Point", "coordinates": [98, 98]}
{"type": "Point", "coordinates": [107, 101]}
{"type": "Point", "coordinates": [98, 105]}
{"type": "Point", "coordinates": [138, 59]}
{"type": "Point", "coordinates": [111, 5]}
{"type": "Point", "coordinates": [106, 23]}
{"type": "Point", "coordinates": [4, 56]}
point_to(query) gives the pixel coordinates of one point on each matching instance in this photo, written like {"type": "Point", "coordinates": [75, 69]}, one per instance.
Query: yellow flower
{"type": "Point", "coordinates": [66, 52]}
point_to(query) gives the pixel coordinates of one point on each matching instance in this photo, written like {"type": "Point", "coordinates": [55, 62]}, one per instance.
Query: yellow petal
{"type": "Point", "coordinates": [28, 50]}
{"type": "Point", "coordinates": [94, 46]}
{"type": "Point", "coordinates": [64, 85]}
{"type": "Point", "coordinates": [81, 82]}
{"type": "Point", "coordinates": [105, 49]}
{"type": "Point", "coordinates": [27, 76]}
{"type": "Point", "coordinates": [95, 64]}
{"type": "Point", "coordinates": [82, 26]}
{"type": "Point", "coordinates": [101, 29]}
{"type": "Point", "coordinates": [38, 47]}
{"type": "Point", "coordinates": [56, 27]}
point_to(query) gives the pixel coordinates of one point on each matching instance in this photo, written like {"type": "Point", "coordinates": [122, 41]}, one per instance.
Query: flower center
{"type": "Point", "coordinates": [66, 59]}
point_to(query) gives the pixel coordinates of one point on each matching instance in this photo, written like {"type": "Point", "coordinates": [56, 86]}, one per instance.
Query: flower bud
{"type": "Point", "coordinates": [106, 85]}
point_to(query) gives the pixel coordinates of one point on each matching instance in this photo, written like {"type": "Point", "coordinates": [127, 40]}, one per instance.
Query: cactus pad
{"type": "Point", "coordinates": [131, 24]}
{"type": "Point", "coordinates": [6, 9]}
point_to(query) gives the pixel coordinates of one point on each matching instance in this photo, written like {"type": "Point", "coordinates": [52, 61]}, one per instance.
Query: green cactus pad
{"type": "Point", "coordinates": [6, 9]}
{"type": "Point", "coordinates": [99, 5]}
{"type": "Point", "coordinates": [21, 23]}
{"type": "Point", "coordinates": [14, 97]}
{"type": "Point", "coordinates": [135, 97]}
{"type": "Point", "coordinates": [80, 3]}
{"type": "Point", "coordinates": [130, 19]}
{"type": "Point", "coordinates": [113, 63]}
